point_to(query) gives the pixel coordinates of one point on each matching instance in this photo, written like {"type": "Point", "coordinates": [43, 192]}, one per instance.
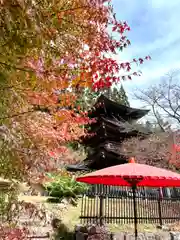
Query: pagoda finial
{"type": "Point", "coordinates": [132, 160]}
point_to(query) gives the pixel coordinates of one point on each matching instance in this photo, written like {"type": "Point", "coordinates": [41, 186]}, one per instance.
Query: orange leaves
{"type": "Point", "coordinates": [84, 80]}
{"type": "Point", "coordinates": [63, 116]}
{"type": "Point", "coordinates": [85, 76]}
{"type": "Point", "coordinates": [67, 99]}
{"type": "Point", "coordinates": [70, 54]}
{"type": "Point", "coordinates": [42, 99]}
{"type": "Point", "coordinates": [57, 83]}
{"type": "Point", "coordinates": [76, 81]}
{"type": "Point", "coordinates": [54, 153]}
{"type": "Point", "coordinates": [60, 15]}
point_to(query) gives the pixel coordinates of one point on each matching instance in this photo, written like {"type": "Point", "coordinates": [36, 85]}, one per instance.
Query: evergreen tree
{"type": "Point", "coordinates": [88, 98]}
{"type": "Point", "coordinates": [119, 96]}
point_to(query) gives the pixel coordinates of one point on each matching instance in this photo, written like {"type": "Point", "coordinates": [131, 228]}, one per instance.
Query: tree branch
{"type": "Point", "coordinates": [17, 115]}
{"type": "Point", "coordinates": [163, 96]}
{"type": "Point", "coordinates": [16, 68]}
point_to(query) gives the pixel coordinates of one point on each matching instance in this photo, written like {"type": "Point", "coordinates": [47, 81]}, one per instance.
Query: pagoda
{"type": "Point", "coordinates": [113, 125]}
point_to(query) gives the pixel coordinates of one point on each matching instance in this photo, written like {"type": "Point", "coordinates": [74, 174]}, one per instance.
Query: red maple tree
{"type": "Point", "coordinates": [74, 42]}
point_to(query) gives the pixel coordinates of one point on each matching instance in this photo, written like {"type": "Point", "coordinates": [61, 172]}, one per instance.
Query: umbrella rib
{"type": "Point", "coordinates": [131, 177]}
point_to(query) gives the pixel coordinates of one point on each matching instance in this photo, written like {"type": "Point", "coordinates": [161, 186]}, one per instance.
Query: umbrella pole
{"type": "Point", "coordinates": [135, 211]}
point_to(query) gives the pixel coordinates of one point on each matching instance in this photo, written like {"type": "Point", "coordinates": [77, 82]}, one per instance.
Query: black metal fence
{"type": "Point", "coordinates": [107, 204]}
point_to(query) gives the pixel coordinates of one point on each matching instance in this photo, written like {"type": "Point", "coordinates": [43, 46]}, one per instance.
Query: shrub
{"type": "Point", "coordinates": [61, 231]}
{"type": "Point", "coordinates": [12, 233]}
{"type": "Point", "coordinates": [8, 203]}
{"type": "Point", "coordinates": [64, 187]}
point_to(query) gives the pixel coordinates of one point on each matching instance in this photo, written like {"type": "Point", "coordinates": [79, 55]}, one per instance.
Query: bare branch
{"type": "Point", "coordinates": [154, 150]}
{"type": "Point", "coordinates": [163, 97]}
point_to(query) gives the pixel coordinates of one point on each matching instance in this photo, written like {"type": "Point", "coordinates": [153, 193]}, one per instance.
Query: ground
{"type": "Point", "coordinates": [70, 217]}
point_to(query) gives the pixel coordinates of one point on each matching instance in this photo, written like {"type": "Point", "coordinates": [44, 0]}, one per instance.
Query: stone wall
{"type": "Point", "coordinates": [148, 236]}
{"type": "Point", "coordinates": [97, 233]}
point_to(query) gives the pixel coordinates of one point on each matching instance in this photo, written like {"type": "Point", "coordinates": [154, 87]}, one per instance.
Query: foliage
{"type": "Point", "coordinates": [88, 97]}
{"type": "Point", "coordinates": [65, 187]}
{"type": "Point", "coordinates": [7, 200]}
{"type": "Point", "coordinates": [10, 211]}
{"type": "Point", "coordinates": [50, 52]}
{"type": "Point", "coordinates": [12, 233]}
{"type": "Point", "coordinates": [155, 150]}
{"type": "Point", "coordinates": [61, 231]}
{"type": "Point", "coordinates": [119, 95]}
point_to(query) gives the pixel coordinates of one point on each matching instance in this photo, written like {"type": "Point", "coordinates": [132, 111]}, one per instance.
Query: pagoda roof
{"type": "Point", "coordinates": [112, 130]}
{"type": "Point", "coordinates": [110, 108]}
{"type": "Point", "coordinates": [96, 140]}
{"type": "Point", "coordinates": [108, 147]}
{"type": "Point", "coordinates": [119, 127]}
{"type": "Point", "coordinates": [98, 161]}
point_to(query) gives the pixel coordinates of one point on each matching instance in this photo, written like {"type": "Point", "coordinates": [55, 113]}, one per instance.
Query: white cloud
{"type": "Point", "coordinates": [155, 32]}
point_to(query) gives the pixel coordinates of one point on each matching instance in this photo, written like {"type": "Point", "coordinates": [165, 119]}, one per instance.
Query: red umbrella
{"type": "Point", "coordinates": [133, 174]}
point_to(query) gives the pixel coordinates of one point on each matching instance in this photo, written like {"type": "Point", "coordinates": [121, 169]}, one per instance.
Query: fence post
{"type": "Point", "coordinates": [159, 206]}
{"type": "Point", "coordinates": [101, 210]}
{"type": "Point", "coordinates": [168, 192]}
{"type": "Point", "coordinates": [101, 207]}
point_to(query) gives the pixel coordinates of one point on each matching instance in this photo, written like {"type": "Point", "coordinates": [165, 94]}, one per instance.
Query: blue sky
{"type": "Point", "coordinates": [155, 31]}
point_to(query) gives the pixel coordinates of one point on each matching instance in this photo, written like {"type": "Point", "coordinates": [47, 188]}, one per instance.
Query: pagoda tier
{"type": "Point", "coordinates": [94, 161]}
{"type": "Point", "coordinates": [109, 125]}
{"type": "Point", "coordinates": [114, 124]}
{"type": "Point", "coordinates": [109, 147]}
{"type": "Point", "coordinates": [112, 130]}
{"type": "Point", "coordinates": [111, 109]}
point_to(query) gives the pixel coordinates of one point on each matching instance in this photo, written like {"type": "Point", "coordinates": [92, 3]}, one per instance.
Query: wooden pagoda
{"type": "Point", "coordinates": [114, 124]}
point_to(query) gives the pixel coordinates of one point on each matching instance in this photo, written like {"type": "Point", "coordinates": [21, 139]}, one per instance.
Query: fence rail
{"type": "Point", "coordinates": [106, 204]}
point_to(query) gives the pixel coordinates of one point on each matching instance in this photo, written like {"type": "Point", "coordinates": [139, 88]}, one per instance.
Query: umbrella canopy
{"type": "Point", "coordinates": [133, 174]}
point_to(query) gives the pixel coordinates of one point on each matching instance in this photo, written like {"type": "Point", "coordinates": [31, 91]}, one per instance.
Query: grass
{"type": "Point", "coordinates": [130, 228]}
{"type": "Point", "coordinates": [32, 199]}
{"type": "Point", "coordinates": [71, 216]}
